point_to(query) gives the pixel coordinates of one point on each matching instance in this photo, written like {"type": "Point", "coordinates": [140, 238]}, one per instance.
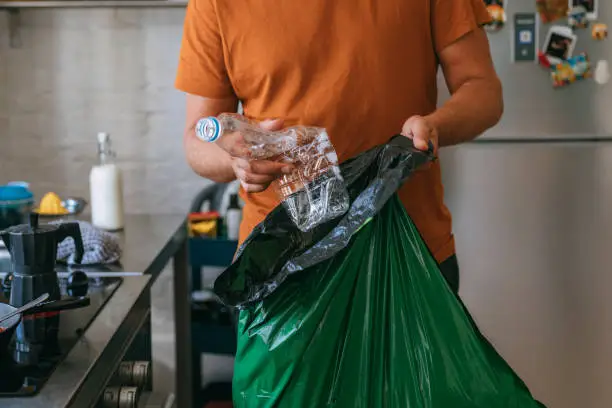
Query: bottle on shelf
{"type": "Point", "coordinates": [233, 218]}
{"type": "Point", "coordinates": [106, 188]}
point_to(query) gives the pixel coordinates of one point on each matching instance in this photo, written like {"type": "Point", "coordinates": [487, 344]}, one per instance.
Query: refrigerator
{"type": "Point", "coordinates": [532, 209]}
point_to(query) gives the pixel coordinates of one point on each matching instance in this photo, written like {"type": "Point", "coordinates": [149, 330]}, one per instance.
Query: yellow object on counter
{"type": "Point", "coordinates": [51, 204]}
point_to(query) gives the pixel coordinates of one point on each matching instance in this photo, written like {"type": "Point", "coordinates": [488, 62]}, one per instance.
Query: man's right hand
{"type": "Point", "coordinates": [225, 160]}
{"type": "Point", "coordinates": [255, 175]}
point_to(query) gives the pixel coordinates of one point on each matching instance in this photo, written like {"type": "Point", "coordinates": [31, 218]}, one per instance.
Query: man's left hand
{"type": "Point", "coordinates": [422, 132]}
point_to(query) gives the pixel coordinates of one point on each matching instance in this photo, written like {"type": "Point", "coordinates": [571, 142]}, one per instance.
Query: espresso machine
{"type": "Point", "coordinates": [33, 251]}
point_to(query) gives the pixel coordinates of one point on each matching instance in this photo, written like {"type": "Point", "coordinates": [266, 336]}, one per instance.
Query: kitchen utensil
{"type": "Point", "coordinates": [74, 205]}
{"type": "Point", "coordinates": [33, 250]}
{"type": "Point", "coordinates": [52, 206]}
{"type": "Point", "coordinates": [24, 308]}
{"type": "Point", "coordinates": [8, 326]}
{"type": "Point", "coordinates": [16, 203]}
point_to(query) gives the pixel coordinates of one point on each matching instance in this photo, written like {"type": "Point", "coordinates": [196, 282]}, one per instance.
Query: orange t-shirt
{"type": "Point", "coordinates": [358, 68]}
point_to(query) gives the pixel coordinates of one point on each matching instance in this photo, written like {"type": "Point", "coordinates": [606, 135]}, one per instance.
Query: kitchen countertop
{"type": "Point", "coordinates": [149, 244]}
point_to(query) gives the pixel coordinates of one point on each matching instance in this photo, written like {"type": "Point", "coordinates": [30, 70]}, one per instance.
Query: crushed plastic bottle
{"type": "Point", "coordinates": [314, 192]}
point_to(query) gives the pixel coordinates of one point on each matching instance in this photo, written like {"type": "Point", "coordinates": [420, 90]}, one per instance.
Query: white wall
{"type": "Point", "coordinates": [80, 71]}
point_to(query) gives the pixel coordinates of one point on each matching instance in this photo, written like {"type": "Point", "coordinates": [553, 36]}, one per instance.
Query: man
{"type": "Point", "coordinates": [363, 69]}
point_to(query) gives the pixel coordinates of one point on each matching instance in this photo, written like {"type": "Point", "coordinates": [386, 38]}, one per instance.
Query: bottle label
{"type": "Point", "coordinates": [208, 129]}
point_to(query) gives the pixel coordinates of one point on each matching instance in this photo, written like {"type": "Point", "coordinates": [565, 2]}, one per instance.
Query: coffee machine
{"type": "Point", "coordinates": [33, 251]}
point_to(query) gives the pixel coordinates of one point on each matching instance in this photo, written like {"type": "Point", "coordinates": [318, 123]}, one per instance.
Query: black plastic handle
{"type": "Point", "coordinates": [72, 229]}
{"type": "Point", "coordinates": [68, 303]}
{"type": "Point", "coordinates": [33, 220]}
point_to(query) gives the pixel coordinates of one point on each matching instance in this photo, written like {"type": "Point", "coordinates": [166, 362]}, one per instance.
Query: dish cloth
{"type": "Point", "coordinates": [100, 247]}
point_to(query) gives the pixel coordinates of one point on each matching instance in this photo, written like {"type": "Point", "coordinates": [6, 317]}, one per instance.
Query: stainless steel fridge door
{"type": "Point", "coordinates": [533, 225]}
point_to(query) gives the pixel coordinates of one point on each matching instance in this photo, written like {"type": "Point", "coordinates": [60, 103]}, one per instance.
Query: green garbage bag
{"type": "Point", "coordinates": [356, 314]}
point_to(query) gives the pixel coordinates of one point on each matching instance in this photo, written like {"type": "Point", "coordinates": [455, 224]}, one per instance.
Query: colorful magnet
{"type": "Point", "coordinates": [570, 71]}
{"type": "Point", "coordinates": [602, 72]}
{"type": "Point", "coordinates": [559, 44]}
{"type": "Point", "coordinates": [525, 38]}
{"type": "Point", "coordinates": [591, 7]}
{"type": "Point", "coordinates": [543, 60]}
{"type": "Point", "coordinates": [552, 10]}
{"type": "Point", "coordinates": [497, 13]}
{"type": "Point", "coordinates": [577, 17]}
{"type": "Point", "coordinates": [600, 32]}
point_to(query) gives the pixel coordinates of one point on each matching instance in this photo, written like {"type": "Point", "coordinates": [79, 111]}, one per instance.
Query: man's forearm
{"type": "Point", "coordinates": [475, 107]}
{"type": "Point", "coordinates": [208, 160]}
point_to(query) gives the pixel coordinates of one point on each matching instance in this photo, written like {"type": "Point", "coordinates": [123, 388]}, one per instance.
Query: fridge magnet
{"type": "Point", "coordinates": [602, 72]}
{"type": "Point", "coordinates": [591, 6]}
{"type": "Point", "coordinates": [600, 32]}
{"type": "Point", "coordinates": [570, 71]}
{"type": "Point", "coordinates": [543, 60]}
{"type": "Point", "coordinates": [559, 44]}
{"type": "Point", "coordinates": [577, 17]}
{"type": "Point", "coordinates": [497, 12]}
{"type": "Point", "coordinates": [552, 10]}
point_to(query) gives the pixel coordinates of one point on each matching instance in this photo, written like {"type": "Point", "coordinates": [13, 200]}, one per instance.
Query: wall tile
{"type": "Point", "coordinates": [83, 71]}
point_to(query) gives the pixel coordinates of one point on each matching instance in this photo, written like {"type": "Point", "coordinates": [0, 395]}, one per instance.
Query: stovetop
{"type": "Point", "coordinates": [18, 380]}
{"type": "Point", "coordinates": [63, 270]}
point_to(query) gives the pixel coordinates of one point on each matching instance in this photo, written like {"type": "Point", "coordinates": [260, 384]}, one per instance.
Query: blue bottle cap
{"type": "Point", "coordinates": [208, 129]}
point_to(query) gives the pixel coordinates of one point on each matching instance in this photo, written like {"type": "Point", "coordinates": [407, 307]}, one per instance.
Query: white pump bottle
{"type": "Point", "coordinates": [106, 188]}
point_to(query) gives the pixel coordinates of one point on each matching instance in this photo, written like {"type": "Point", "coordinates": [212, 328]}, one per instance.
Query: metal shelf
{"type": "Point", "coordinates": [92, 4]}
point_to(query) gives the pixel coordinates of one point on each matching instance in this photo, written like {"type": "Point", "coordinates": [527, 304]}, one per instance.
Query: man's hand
{"type": "Point", "coordinates": [224, 160]}
{"type": "Point", "coordinates": [422, 132]}
{"type": "Point", "coordinates": [255, 175]}
{"type": "Point", "coordinates": [476, 103]}
{"type": "Point", "coordinates": [234, 143]}
{"type": "Point", "coordinates": [207, 159]}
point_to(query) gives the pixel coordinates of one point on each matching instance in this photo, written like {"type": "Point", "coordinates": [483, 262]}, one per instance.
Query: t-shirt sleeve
{"type": "Point", "coordinates": [452, 19]}
{"type": "Point", "coordinates": [201, 68]}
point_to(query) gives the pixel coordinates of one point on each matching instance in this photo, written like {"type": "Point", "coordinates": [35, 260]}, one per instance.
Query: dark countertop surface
{"type": "Point", "coordinates": [149, 243]}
